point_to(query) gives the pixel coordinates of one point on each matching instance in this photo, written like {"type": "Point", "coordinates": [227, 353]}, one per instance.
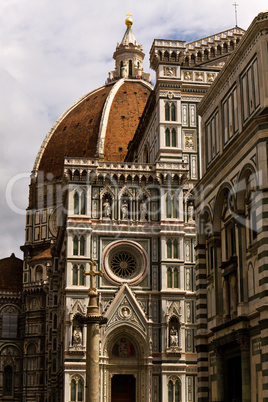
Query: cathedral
{"type": "Point", "coordinates": [116, 181]}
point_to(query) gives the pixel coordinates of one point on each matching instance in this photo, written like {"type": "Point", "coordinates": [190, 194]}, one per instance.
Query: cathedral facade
{"type": "Point", "coordinates": [113, 182]}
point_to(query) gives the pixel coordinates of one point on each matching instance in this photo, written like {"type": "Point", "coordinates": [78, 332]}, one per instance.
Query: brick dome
{"type": "Point", "coordinates": [101, 124]}
{"type": "Point", "coordinates": [11, 274]}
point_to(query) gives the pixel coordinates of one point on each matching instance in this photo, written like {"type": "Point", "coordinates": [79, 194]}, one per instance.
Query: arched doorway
{"type": "Point", "coordinates": [123, 388]}
{"type": "Point", "coordinates": [124, 366]}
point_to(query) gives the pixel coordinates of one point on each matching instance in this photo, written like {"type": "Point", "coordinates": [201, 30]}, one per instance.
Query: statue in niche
{"type": "Point", "coordinates": [77, 336]}
{"type": "Point", "coordinates": [190, 213]}
{"type": "Point", "coordinates": [124, 210]}
{"type": "Point", "coordinates": [94, 212]}
{"type": "Point", "coordinates": [107, 209]}
{"type": "Point", "coordinates": [174, 341]}
{"type": "Point", "coordinates": [187, 279]}
{"type": "Point", "coordinates": [143, 211]}
{"type": "Point", "coordinates": [188, 312]}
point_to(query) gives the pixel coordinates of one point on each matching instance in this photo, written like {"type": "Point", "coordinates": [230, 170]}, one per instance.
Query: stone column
{"type": "Point", "coordinates": [220, 374]}
{"type": "Point", "coordinates": [92, 361]}
{"type": "Point", "coordinates": [226, 299]}
{"type": "Point", "coordinates": [245, 368]}
{"type": "Point", "coordinates": [93, 321]}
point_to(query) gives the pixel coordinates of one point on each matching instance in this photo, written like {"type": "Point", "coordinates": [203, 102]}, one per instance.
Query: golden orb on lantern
{"type": "Point", "coordinates": [129, 21]}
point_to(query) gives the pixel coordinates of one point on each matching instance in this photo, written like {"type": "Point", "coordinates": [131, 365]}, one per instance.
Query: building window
{"type": "Point", "coordinates": [168, 206]}
{"type": "Point", "coordinates": [172, 248]}
{"type": "Point", "coordinates": [173, 277]}
{"type": "Point", "coordinates": [172, 206]}
{"type": "Point", "coordinates": [79, 245]}
{"type": "Point", "coordinates": [8, 381]}
{"type": "Point", "coordinates": [167, 137]}
{"type": "Point", "coordinates": [167, 111]}
{"type": "Point", "coordinates": [80, 203]}
{"type": "Point", "coordinates": [173, 112]}
{"type": "Point", "coordinates": [212, 137]}
{"type": "Point", "coordinates": [169, 249]}
{"type": "Point", "coordinates": [75, 245]}
{"type": "Point", "coordinates": [77, 390]}
{"type": "Point", "coordinates": [171, 137]}
{"type": "Point", "coordinates": [174, 390]}
{"type": "Point", "coordinates": [9, 325]}
{"type": "Point", "coordinates": [130, 72]}
{"type": "Point", "coordinates": [250, 90]}
{"type": "Point", "coordinates": [78, 277]}
{"type": "Point", "coordinates": [230, 115]}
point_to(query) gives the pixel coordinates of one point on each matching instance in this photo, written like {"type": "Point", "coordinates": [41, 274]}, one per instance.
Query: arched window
{"type": "Point", "coordinates": [167, 111]}
{"type": "Point", "coordinates": [169, 249]}
{"type": "Point", "coordinates": [73, 391]}
{"type": "Point", "coordinates": [75, 275]}
{"type": "Point", "coordinates": [82, 245]}
{"type": "Point", "coordinates": [38, 273]}
{"type": "Point", "coordinates": [75, 245]}
{"type": "Point", "coordinates": [76, 203]}
{"type": "Point", "coordinates": [174, 137]}
{"type": "Point", "coordinates": [130, 72]}
{"type": "Point", "coordinates": [81, 276]}
{"type": "Point", "coordinates": [80, 391]}
{"type": "Point", "coordinates": [174, 391]}
{"type": "Point", "coordinates": [80, 203]}
{"type": "Point", "coordinates": [173, 112]}
{"type": "Point", "coordinates": [83, 203]}
{"type": "Point", "coordinates": [9, 325]}
{"type": "Point", "coordinates": [78, 277]}
{"type": "Point", "coordinates": [170, 391]}
{"type": "Point", "coordinates": [167, 137]}
{"type": "Point", "coordinates": [175, 249]}
{"type": "Point", "coordinates": [54, 366]}
{"type": "Point", "coordinates": [175, 207]}
{"type": "Point", "coordinates": [55, 321]}
{"type": "Point", "coordinates": [8, 381]}
{"type": "Point", "coordinates": [168, 207]}
{"type": "Point", "coordinates": [77, 390]}
{"type": "Point", "coordinates": [169, 278]}
{"type": "Point", "coordinates": [176, 278]}
{"type": "Point", "coordinates": [177, 391]}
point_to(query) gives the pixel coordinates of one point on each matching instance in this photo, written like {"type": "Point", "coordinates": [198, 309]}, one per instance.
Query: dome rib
{"type": "Point", "coordinates": [105, 118]}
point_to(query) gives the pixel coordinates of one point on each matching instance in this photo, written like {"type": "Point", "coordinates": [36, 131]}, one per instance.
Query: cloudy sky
{"type": "Point", "coordinates": [54, 51]}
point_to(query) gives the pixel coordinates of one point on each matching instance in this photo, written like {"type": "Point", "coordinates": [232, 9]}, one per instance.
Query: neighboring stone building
{"type": "Point", "coordinates": [112, 182]}
{"type": "Point", "coordinates": [11, 328]}
{"type": "Point", "coordinates": [231, 205]}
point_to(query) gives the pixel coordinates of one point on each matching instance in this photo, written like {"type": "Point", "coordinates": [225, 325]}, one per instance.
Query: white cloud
{"type": "Point", "coordinates": [53, 52]}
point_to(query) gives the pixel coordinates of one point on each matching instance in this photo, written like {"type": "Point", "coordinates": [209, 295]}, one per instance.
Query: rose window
{"type": "Point", "coordinates": [123, 264]}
